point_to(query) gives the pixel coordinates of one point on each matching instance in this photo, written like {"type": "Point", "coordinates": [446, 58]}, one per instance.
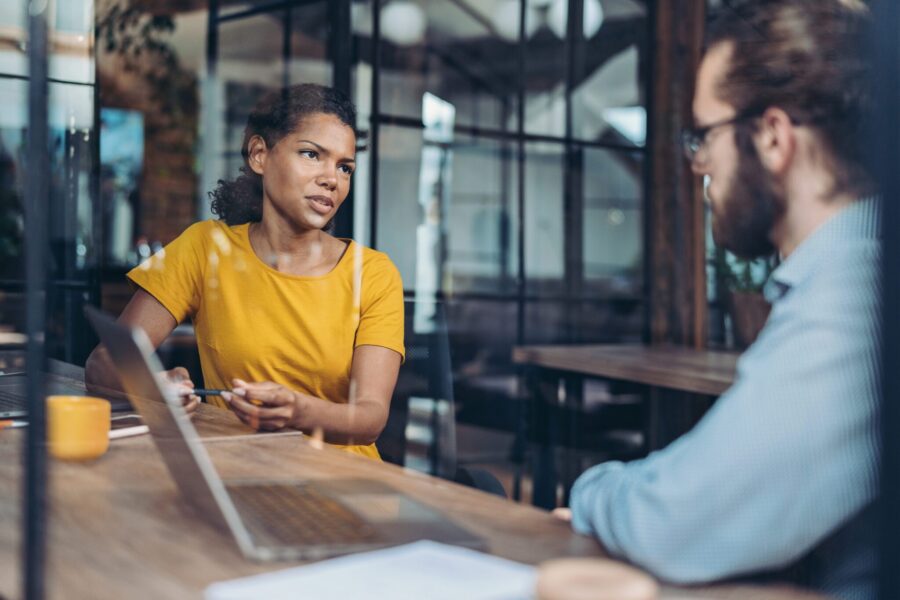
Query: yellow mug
{"type": "Point", "coordinates": [77, 427]}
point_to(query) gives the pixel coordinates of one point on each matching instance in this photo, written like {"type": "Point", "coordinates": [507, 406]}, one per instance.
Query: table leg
{"type": "Point", "coordinates": [574, 405]}
{"type": "Point", "coordinates": [671, 414]}
{"type": "Point", "coordinates": [544, 396]}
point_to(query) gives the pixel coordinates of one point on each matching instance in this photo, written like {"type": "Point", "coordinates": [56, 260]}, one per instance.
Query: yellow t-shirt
{"type": "Point", "coordinates": [255, 323]}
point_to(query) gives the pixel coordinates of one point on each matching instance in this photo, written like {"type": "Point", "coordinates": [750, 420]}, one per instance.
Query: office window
{"type": "Point", "coordinates": [546, 48]}
{"type": "Point", "coordinates": [545, 170]}
{"type": "Point", "coordinates": [502, 170]}
{"type": "Point", "coordinates": [540, 220]}
{"type": "Point", "coordinates": [73, 219]}
{"type": "Point", "coordinates": [613, 220]}
{"type": "Point", "coordinates": [609, 87]}
{"type": "Point", "coordinates": [452, 50]}
{"type": "Point", "coordinates": [482, 217]}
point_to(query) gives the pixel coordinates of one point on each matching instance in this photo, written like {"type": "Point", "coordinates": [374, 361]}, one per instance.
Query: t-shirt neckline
{"type": "Point", "coordinates": [245, 238]}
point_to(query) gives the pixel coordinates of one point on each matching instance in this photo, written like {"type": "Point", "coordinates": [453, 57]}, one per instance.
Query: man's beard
{"type": "Point", "coordinates": [750, 206]}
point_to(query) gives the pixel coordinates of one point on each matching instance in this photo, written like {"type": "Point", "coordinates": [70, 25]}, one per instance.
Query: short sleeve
{"type": "Point", "coordinates": [174, 274]}
{"type": "Point", "coordinates": [381, 308]}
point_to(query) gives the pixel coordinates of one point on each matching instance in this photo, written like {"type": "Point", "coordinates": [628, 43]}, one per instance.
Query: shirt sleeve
{"type": "Point", "coordinates": [174, 275]}
{"type": "Point", "coordinates": [784, 458]}
{"type": "Point", "coordinates": [381, 309]}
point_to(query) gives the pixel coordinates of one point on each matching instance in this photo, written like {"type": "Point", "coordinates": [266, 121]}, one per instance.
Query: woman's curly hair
{"type": "Point", "coordinates": [276, 115]}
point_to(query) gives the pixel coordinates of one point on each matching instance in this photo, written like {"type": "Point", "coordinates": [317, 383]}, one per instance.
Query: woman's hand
{"type": "Point", "coordinates": [180, 381]}
{"type": "Point", "coordinates": [265, 405]}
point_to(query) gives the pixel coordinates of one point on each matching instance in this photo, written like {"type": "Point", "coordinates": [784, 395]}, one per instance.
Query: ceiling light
{"type": "Point", "coordinates": [403, 22]}
{"type": "Point", "coordinates": [507, 18]}
{"type": "Point", "coordinates": [592, 17]}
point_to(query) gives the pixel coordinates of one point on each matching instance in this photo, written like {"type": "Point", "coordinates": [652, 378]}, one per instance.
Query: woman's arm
{"type": "Point", "coordinates": [146, 312]}
{"type": "Point", "coordinates": [373, 375]}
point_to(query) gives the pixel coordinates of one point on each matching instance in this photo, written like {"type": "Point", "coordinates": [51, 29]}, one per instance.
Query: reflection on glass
{"type": "Point", "coordinates": [310, 31]}
{"type": "Point", "coordinates": [70, 223]}
{"type": "Point", "coordinates": [544, 189]}
{"type": "Point", "coordinates": [399, 212]}
{"type": "Point", "coordinates": [434, 198]}
{"type": "Point", "coordinates": [250, 61]}
{"type": "Point", "coordinates": [452, 50]}
{"type": "Point", "coordinates": [13, 121]}
{"type": "Point", "coordinates": [13, 60]}
{"type": "Point", "coordinates": [545, 71]}
{"type": "Point", "coordinates": [483, 237]}
{"type": "Point", "coordinates": [244, 73]}
{"type": "Point", "coordinates": [121, 165]}
{"type": "Point", "coordinates": [72, 41]}
{"type": "Point", "coordinates": [250, 50]}
{"type": "Point", "coordinates": [608, 96]}
{"type": "Point", "coordinates": [447, 210]}
{"type": "Point", "coordinates": [613, 222]}
{"type": "Point", "coordinates": [71, 131]}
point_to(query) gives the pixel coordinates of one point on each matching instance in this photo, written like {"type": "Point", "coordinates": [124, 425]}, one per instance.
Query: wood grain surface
{"type": "Point", "coordinates": [119, 529]}
{"type": "Point", "coordinates": [699, 371]}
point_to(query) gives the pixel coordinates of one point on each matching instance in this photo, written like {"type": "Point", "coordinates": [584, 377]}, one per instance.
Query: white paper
{"type": "Point", "coordinates": [422, 570]}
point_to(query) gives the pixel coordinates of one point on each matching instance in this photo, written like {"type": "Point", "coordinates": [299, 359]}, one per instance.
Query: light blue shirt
{"type": "Point", "coordinates": [784, 466]}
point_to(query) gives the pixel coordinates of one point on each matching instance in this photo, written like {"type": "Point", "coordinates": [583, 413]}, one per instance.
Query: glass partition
{"type": "Point", "coordinates": [73, 220]}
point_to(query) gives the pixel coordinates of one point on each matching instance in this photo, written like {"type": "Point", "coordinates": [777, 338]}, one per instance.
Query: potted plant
{"type": "Point", "coordinates": [739, 284]}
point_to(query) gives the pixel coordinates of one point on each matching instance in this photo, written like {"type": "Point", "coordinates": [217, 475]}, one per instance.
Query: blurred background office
{"type": "Point", "coordinates": [518, 165]}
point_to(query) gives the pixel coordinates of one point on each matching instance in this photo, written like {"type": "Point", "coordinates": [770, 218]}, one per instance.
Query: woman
{"type": "Point", "coordinates": [306, 329]}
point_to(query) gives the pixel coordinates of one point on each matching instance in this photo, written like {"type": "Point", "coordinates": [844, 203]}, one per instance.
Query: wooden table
{"type": "Point", "coordinates": [677, 368]}
{"type": "Point", "coordinates": [119, 529]}
{"type": "Point", "coordinates": [704, 372]}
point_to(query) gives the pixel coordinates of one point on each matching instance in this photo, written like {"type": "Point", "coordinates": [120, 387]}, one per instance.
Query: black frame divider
{"type": "Point", "coordinates": [36, 202]}
{"type": "Point", "coordinates": [885, 150]}
{"type": "Point", "coordinates": [374, 125]}
{"type": "Point", "coordinates": [341, 42]}
{"type": "Point", "coordinates": [520, 175]}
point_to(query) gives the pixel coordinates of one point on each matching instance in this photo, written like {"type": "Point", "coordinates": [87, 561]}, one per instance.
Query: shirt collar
{"type": "Point", "coordinates": [859, 220]}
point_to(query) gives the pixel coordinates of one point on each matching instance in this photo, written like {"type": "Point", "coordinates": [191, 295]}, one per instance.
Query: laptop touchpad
{"type": "Point", "coordinates": [387, 508]}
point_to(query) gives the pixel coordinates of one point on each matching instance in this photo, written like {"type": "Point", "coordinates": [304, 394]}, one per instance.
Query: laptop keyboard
{"type": "Point", "coordinates": [11, 401]}
{"type": "Point", "coordinates": [292, 514]}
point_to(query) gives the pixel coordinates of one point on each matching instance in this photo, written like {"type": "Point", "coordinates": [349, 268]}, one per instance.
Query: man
{"type": "Point", "coordinates": [782, 471]}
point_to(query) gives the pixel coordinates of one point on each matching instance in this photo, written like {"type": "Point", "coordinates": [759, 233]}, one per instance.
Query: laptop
{"type": "Point", "coordinates": [270, 519]}
{"type": "Point", "coordinates": [14, 396]}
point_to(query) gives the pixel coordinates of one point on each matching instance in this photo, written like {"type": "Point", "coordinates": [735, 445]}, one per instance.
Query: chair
{"type": "Point", "coordinates": [590, 420]}
{"type": "Point", "coordinates": [421, 429]}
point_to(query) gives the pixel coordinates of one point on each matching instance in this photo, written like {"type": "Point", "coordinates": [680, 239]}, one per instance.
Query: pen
{"type": "Point", "coordinates": [202, 392]}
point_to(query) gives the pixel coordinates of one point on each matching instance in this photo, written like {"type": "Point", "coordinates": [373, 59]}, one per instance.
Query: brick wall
{"type": "Point", "coordinates": [168, 195]}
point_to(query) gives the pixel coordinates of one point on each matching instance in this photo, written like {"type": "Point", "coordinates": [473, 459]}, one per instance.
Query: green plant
{"type": "Point", "coordinates": [143, 41]}
{"type": "Point", "coordinates": [733, 274]}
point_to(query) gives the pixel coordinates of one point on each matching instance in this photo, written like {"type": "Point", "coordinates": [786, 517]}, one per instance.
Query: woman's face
{"type": "Point", "coordinates": [306, 175]}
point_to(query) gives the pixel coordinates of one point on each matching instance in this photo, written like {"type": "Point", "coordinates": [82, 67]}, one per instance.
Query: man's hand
{"type": "Point", "coordinates": [564, 514]}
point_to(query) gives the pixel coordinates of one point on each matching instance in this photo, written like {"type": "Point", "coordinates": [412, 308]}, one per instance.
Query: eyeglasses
{"type": "Point", "coordinates": [693, 140]}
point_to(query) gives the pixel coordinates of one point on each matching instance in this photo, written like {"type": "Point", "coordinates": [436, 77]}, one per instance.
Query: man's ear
{"type": "Point", "coordinates": [257, 152]}
{"type": "Point", "coordinates": [776, 141]}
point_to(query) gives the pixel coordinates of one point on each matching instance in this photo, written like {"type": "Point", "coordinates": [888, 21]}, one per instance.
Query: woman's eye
{"type": "Point", "coordinates": [347, 169]}
{"type": "Point", "coordinates": [309, 154]}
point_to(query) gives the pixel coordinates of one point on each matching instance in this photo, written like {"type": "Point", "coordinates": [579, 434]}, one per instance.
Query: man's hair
{"type": "Point", "coordinates": [808, 58]}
